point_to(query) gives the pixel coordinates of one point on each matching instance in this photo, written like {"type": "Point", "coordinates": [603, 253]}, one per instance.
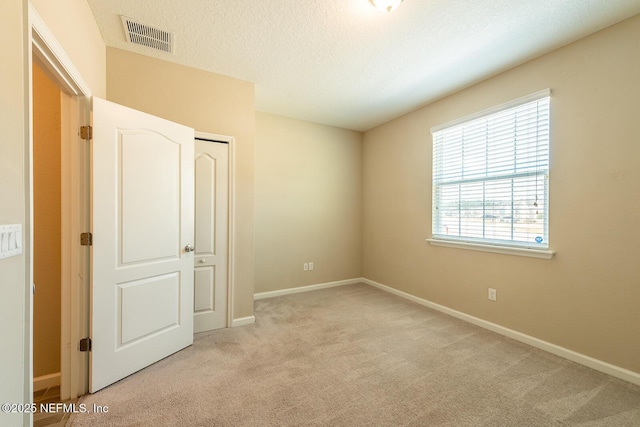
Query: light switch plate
{"type": "Point", "coordinates": [10, 240]}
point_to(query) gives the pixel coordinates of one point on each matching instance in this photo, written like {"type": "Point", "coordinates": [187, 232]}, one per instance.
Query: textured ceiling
{"type": "Point", "coordinates": [346, 64]}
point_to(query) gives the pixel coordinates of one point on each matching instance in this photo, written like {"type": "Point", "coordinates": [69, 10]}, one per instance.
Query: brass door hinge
{"type": "Point", "coordinates": [85, 344]}
{"type": "Point", "coordinates": [86, 132]}
{"type": "Point", "coordinates": [86, 239]}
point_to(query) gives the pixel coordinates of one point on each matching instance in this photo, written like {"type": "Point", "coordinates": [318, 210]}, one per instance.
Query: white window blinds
{"type": "Point", "coordinates": [491, 176]}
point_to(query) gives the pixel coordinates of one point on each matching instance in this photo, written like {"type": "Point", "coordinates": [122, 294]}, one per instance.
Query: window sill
{"type": "Point", "coordinates": [534, 253]}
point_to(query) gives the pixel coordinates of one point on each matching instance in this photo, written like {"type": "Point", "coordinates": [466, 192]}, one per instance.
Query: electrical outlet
{"type": "Point", "coordinates": [310, 266]}
{"type": "Point", "coordinates": [493, 294]}
{"type": "Point", "coordinates": [305, 266]}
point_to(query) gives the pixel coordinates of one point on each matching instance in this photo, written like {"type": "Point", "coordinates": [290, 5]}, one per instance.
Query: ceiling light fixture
{"type": "Point", "coordinates": [386, 5]}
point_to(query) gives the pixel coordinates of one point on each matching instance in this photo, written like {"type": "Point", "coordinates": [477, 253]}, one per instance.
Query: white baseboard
{"type": "Point", "coordinates": [272, 294]}
{"type": "Point", "coordinates": [598, 365]}
{"type": "Point", "coordinates": [44, 382]}
{"type": "Point", "coordinates": [243, 321]}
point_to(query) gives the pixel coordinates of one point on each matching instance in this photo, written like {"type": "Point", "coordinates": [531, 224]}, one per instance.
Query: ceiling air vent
{"type": "Point", "coordinates": [147, 35]}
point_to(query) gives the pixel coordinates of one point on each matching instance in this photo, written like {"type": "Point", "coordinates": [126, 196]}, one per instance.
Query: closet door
{"type": "Point", "coordinates": [211, 228]}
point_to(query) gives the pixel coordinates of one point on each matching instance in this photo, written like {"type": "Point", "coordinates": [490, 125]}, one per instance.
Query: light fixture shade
{"type": "Point", "coordinates": [386, 5]}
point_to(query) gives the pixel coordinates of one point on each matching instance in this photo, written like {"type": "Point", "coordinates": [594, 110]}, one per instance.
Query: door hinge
{"type": "Point", "coordinates": [86, 132]}
{"type": "Point", "coordinates": [86, 239]}
{"type": "Point", "coordinates": [85, 344]}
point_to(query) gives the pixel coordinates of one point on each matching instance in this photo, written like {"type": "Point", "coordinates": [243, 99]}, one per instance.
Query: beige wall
{"type": "Point", "coordinates": [308, 203]}
{"type": "Point", "coordinates": [207, 102]}
{"type": "Point", "coordinates": [46, 224]}
{"type": "Point", "coordinates": [74, 27]}
{"type": "Point", "coordinates": [14, 333]}
{"type": "Point", "coordinates": [586, 297]}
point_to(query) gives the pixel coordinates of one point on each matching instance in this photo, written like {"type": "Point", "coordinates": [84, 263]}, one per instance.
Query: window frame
{"type": "Point", "coordinates": [485, 244]}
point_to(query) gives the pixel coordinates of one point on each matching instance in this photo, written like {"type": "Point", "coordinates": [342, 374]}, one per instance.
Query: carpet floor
{"type": "Point", "coordinates": [357, 356]}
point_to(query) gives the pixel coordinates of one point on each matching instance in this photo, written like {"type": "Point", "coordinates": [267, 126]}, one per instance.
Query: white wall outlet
{"type": "Point", "coordinates": [310, 266]}
{"type": "Point", "coordinates": [305, 266]}
{"type": "Point", "coordinates": [493, 294]}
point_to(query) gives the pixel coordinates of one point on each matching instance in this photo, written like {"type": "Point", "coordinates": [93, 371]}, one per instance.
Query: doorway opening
{"type": "Point", "coordinates": [55, 359]}
{"type": "Point", "coordinates": [47, 249]}
{"type": "Point", "coordinates": [58, 211]}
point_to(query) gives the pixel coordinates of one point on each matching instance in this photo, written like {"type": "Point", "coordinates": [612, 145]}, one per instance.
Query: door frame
{"type": "Point", "coordinates": [231, 141]}
{"type": "Point", "coordinates": [47, 52]}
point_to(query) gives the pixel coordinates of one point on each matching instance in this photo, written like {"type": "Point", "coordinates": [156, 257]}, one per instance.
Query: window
{"type": "Point", "coordinates": [491, 176]}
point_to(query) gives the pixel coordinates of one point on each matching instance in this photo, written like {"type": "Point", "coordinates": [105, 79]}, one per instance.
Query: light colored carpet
{"type": "Point", "coordinates": [358, 356]}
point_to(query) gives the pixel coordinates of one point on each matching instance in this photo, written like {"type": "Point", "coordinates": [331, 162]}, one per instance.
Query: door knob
{"type": "Point", "coordinates": [189, 248]}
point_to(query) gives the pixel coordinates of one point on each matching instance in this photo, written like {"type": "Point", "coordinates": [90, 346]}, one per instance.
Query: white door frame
{"type": "Point", "coordinates": [231, 215]}
{"type": "Point", "coordinates": [59, 67]}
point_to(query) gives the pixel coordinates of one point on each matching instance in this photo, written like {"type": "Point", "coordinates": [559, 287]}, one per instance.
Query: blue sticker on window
{"type": "Point", "coordinates": [538, 239]}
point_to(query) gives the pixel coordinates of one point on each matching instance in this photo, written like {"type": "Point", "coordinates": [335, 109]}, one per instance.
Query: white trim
{"type": "Point", "coordinates": [230, 216]}
{"type": "Point", "coordinates": [507, 250]}
{"type": "Point", "coordinates": [497, 108]}
{"type": "Point", "coordinates": [44, 382]}
{"type": "Point", "coordinates": [243, 321]}
{"type": "Point", "coordinates": [27, 232]}
{"type": "Point", "coordinates": [288, 291]}
{"type": "Point", "coordinates": [598, 365]}
{"type": "Point", "coordinates": [231, 297]}
{"type": "Point", "coordinates": [68, 122]}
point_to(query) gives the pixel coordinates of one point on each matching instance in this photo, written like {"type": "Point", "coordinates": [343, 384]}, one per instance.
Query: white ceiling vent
{"type": "Point", "coordinates": [147, 35]}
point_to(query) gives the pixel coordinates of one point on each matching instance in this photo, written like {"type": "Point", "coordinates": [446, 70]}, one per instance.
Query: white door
{"type": "Point", "coordinates": [212, 207]}
{"type": "Point", "coordinates": [142, 222]}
